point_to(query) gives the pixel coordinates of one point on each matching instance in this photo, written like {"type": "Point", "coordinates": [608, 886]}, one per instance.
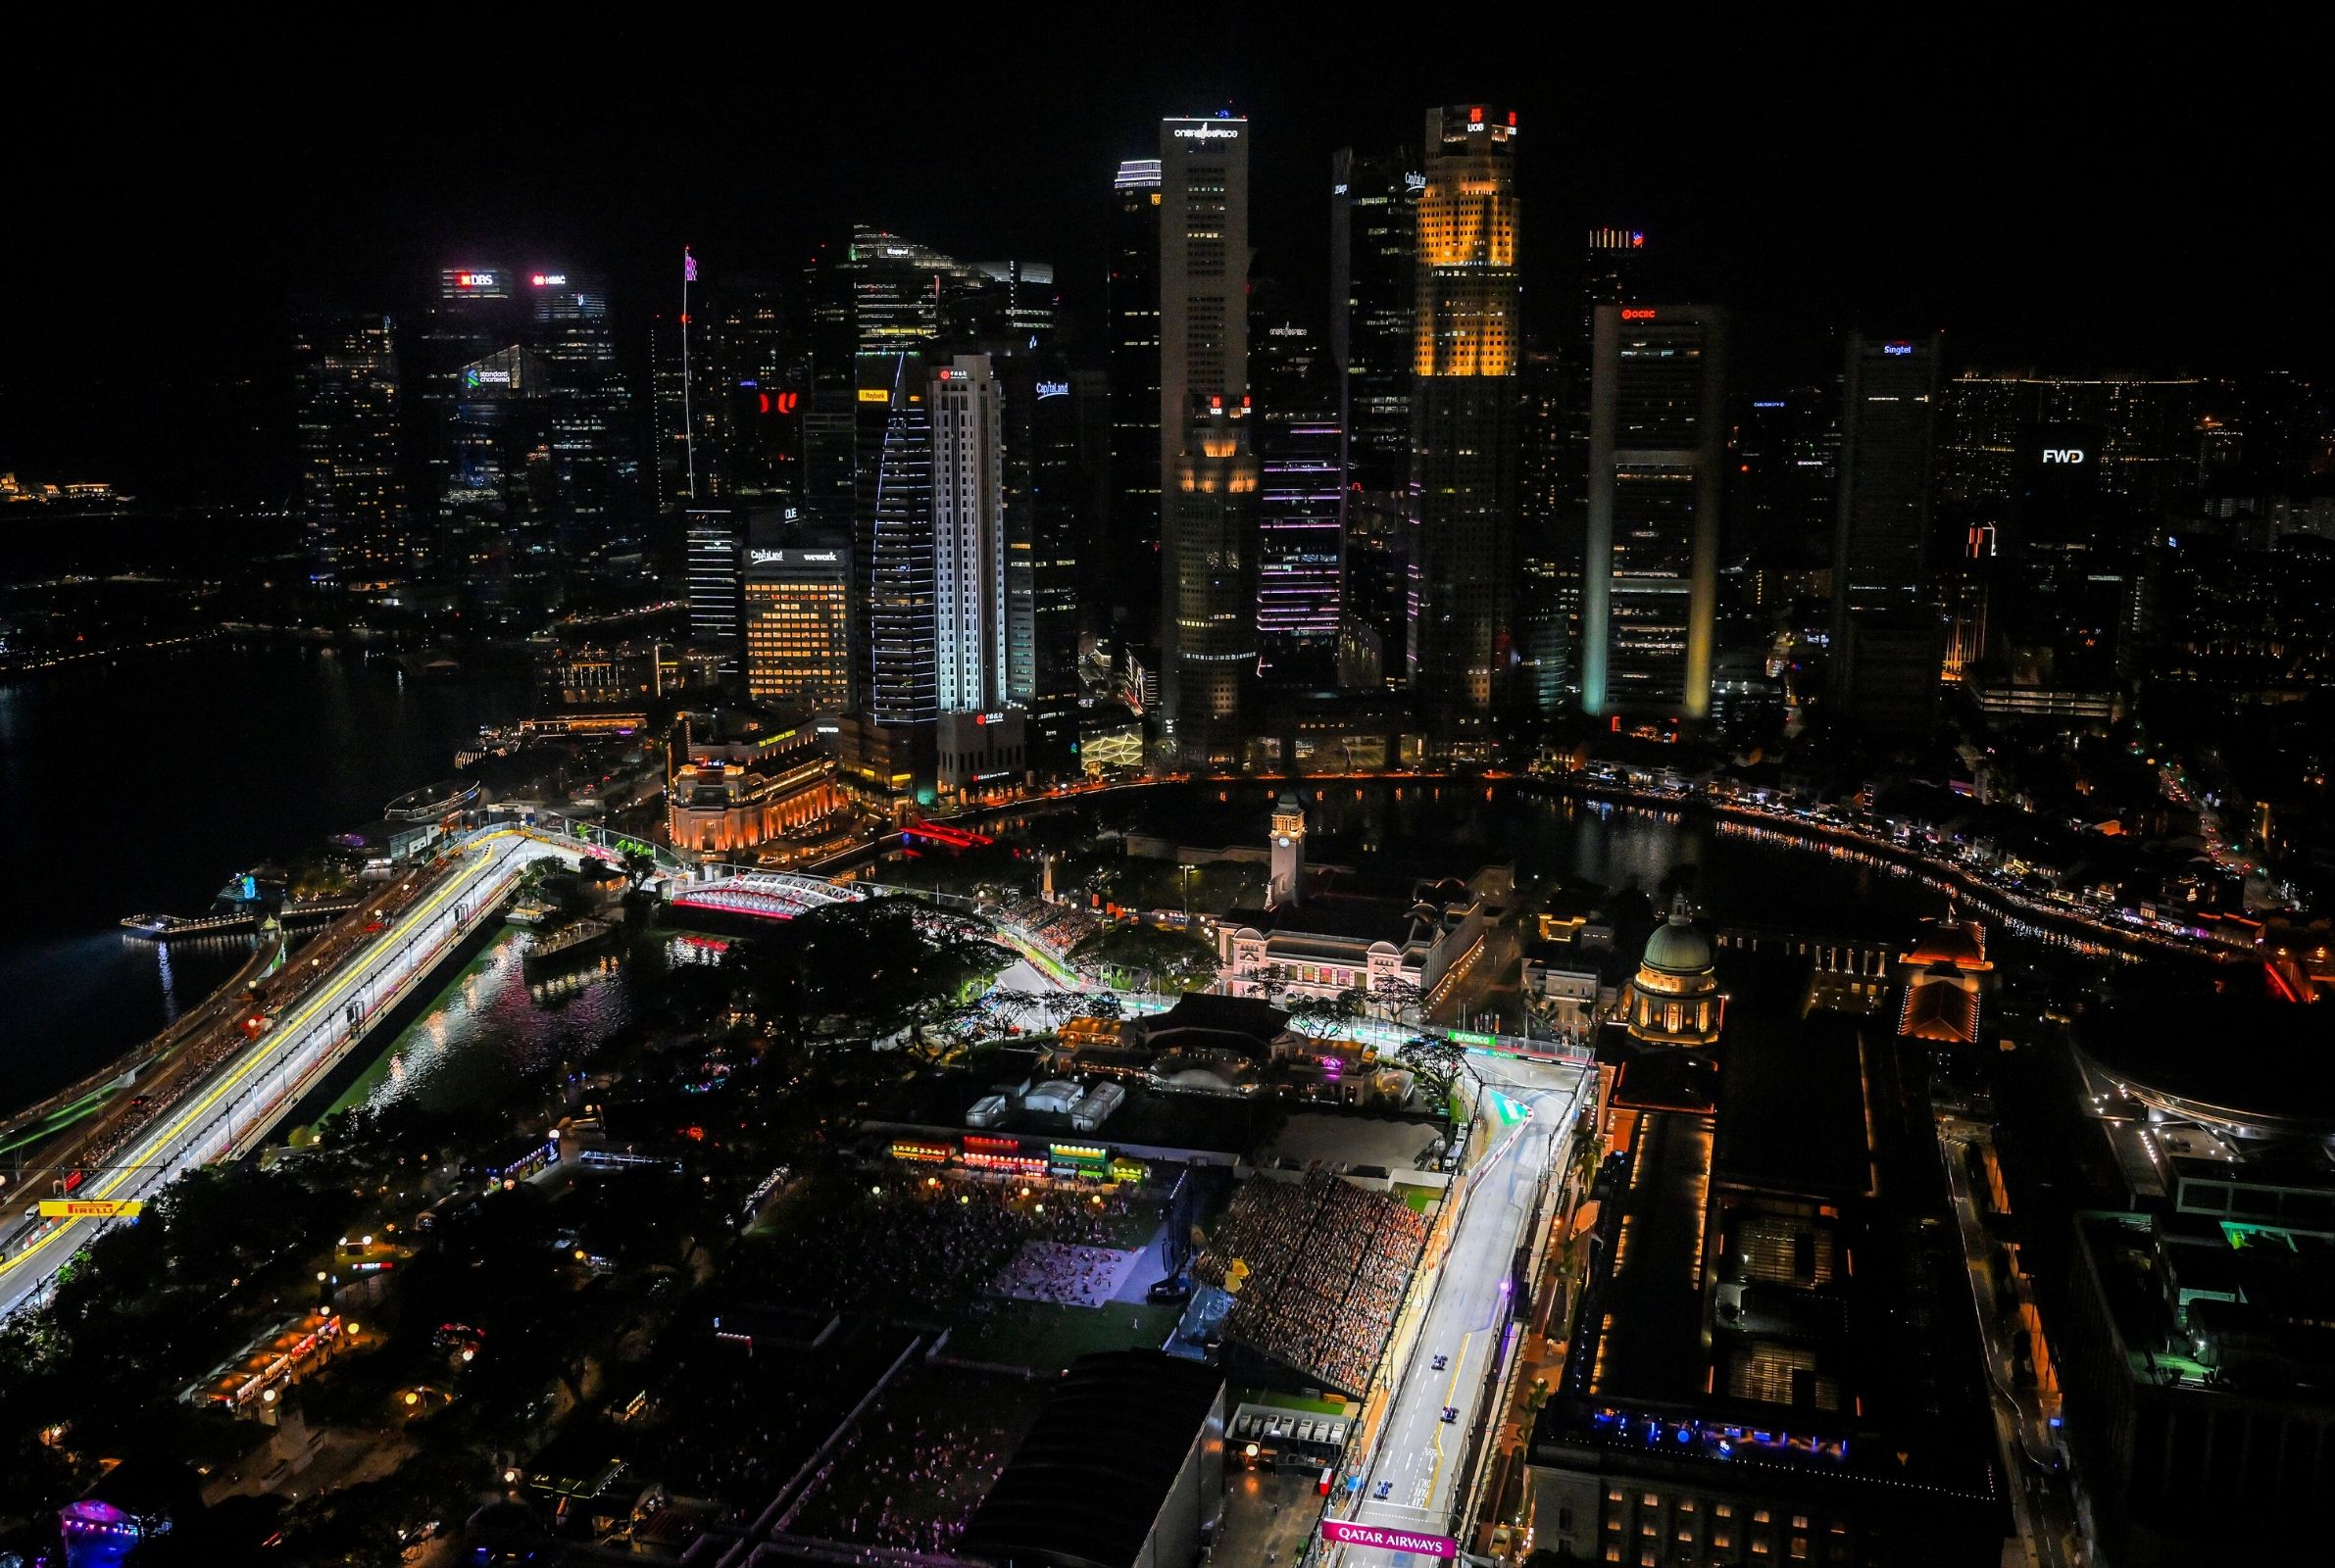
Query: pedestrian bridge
{"type": "Point", "coordinates": [771, 895]}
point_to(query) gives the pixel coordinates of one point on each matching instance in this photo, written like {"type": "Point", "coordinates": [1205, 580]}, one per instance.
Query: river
{"type": "Point", "coordinates": [144, 784]}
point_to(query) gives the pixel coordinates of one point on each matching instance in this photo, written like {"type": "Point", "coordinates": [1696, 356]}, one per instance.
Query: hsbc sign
{"type": "Point", "coordinates": [2070, 455]}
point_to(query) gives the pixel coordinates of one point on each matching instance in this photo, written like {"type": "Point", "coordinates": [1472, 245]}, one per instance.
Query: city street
{"type": "Point", "coordinates": [250, 1092]}
{"type": "Point", "coordinates": [1418, 1457]}
{"type": "Point", "coordinates": [2023, 1425]}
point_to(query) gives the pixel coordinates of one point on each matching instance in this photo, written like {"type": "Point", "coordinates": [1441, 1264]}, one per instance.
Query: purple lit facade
{"type": "Point", "coordinates": [1300, 550]}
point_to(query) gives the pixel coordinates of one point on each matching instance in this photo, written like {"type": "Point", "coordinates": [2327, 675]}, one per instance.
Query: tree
{"type": "Point", "coordinates": [1169, 960]}
{"type": "Point", "coordinates": [1438, 1063]}
{"type": "Point", "coordinates": [1399, 997]}
{"type": "Point", "coordinates": [1324, 1017]}
{"type": "Point", "coordinates": [860, 972]}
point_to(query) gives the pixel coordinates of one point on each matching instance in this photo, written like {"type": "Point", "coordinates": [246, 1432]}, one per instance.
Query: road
{"type": "Point", "coordinates": [2039, 1501]}
{"type": "Point", "coordinates": [250, 1093]}
{"type": "Point", "coordinates": [1419, 1456]}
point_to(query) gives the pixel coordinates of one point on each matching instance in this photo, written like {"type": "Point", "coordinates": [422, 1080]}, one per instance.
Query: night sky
{"type": "Point", "coordinates": [2058, 211]}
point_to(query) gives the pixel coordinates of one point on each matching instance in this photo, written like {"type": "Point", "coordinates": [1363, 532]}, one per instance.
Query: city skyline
{"type": "Point", "coordinates": [2085, 234]}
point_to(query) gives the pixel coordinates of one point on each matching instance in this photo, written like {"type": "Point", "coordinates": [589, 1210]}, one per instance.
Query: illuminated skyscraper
{"type": "Point", "coordinates": [351, 493]}
{"type": "Point", "coordinates": [1057, 423]}
{"type": "Point", "coordinates": [533, 471]}
{"type": "Point", "coordinates": [1650, 573]}
{"type": "Point", "coordinates": [1887, 644]}
{"type": "Point", "coordinates": [798, 626]}
{"type": "Point", "coordinates": [1300, 540]}
{"type": "Point", "coordinates": [714, 543]}
{"type": "Point", "coordinates": [1207, 620]}
{"type": "Point", "coordinates": [1374, 301]}
{"type": "Point", "coordinates": [899, 684]}
{"type": "Point", "coordinates": [1466, 348]}
{"type": "Point", "coordinates": [969, 536]}
{"type": "Point", "coordinates": [1130, 576]}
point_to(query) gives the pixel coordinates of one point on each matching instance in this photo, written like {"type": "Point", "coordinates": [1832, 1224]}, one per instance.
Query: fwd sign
{"type": "Point", "coordinates": [2062, 454]}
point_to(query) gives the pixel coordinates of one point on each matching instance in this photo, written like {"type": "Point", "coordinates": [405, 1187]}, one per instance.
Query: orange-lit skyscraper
{"type": "Point", "coordinates": [1466, 349]}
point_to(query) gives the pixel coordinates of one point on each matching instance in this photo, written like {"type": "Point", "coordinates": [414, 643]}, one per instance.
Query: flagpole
{"type": "Point", "coordinates": [688, 420]}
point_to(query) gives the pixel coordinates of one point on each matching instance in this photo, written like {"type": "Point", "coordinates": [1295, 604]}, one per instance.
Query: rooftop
{"type": "Point", "coordinates": [1092, 1476]}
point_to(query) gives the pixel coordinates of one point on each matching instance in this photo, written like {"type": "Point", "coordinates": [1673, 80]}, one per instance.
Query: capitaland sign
{"type": "Point", "coordinates": [1343, 1533]}
{"type": "Point", "coordinates": [1054, 389]}
{"type": "Point", "coordinates": [781, 557]}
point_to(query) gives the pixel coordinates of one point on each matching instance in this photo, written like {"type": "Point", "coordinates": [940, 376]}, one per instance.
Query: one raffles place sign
{"type": "Point", "coordinates": [1347, 1534]}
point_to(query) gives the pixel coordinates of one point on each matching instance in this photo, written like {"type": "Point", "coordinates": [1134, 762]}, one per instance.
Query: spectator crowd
{"type": "Point", "coordinates": [1328, 1263]}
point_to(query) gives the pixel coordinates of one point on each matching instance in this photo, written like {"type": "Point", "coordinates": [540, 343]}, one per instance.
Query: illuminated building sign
{"type": "Point", "coordinates": [1208, 132]}
{"type": "Point", "coordinates": [548, 279]}
{"type": "Point", "coordinates": [779, 558]}
{"type": "Point", "coordinates": [1010, 1164]}
{"type": "Point", "coordinates": [1415, 183]}
{"type": "Point", "coordinates": [1054, 389]}
{"type": "Point", "coordinates": [474, 280]}
{"type": "Point", "coordinates": [1897, 348]}
{"type": "Point", "coordinates": [476, 376]}
{"type": "Point", "coordinates": [2062, 454]}
{"type": "Point", "coordinates": [1629, 315]}
{"type": "Point", "coordinates": [779, 402]}
{"type": "Point", "coordinates": [1345, 1533]}
{"type": "Point", "coordinates": [874, 394]}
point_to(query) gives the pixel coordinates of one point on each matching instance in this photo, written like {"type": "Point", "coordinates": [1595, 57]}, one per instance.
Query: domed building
{"type": "Point", "coordinates": [1674, 1000]}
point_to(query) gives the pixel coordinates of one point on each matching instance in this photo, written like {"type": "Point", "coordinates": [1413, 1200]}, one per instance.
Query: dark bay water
{"type": "Point", "coordinates": [145, 783]}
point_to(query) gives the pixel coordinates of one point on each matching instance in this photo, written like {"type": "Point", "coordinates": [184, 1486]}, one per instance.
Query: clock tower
{"type": "Point", "coordinates": [1288, 885]}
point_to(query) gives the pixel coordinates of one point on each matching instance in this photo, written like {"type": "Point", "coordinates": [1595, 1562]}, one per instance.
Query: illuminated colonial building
{"type": "Point", "coordinates": [732, 794]}
{"type": "Point", "coordinates": [1466, 349]}
{"type": "Point", "coordinates": [1676, 1000]}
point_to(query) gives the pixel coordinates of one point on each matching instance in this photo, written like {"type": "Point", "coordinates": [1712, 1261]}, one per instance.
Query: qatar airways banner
{"type": "Point", "coordinates": [1354, 1534]}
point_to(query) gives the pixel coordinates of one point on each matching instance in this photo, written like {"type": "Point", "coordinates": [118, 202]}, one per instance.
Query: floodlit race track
{"type": "Point", "coordinates": [228, 1114]}
{"type": "Point", "coordinates": [1419, 1456]}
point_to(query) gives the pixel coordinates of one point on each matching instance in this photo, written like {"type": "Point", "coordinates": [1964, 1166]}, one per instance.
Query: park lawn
{"type": "Point", "coordinates": [1290, 1402]}
{"type": "Point", "coordinates": [1047, 1337]}
{"type": "Point", "coordinates": [1421, 1199]}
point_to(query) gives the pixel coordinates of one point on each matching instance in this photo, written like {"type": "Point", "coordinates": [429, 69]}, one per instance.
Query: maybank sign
{"type": "Point", "coordinates": [1211, 131]}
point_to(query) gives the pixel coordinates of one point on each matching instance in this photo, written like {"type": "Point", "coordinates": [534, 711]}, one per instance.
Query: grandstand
{"type": "Point", "coordinates": [1328, 1263]}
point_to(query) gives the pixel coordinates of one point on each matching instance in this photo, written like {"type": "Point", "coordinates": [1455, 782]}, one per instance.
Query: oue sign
{"type": "Point", "coordinates": [2062, 454]}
